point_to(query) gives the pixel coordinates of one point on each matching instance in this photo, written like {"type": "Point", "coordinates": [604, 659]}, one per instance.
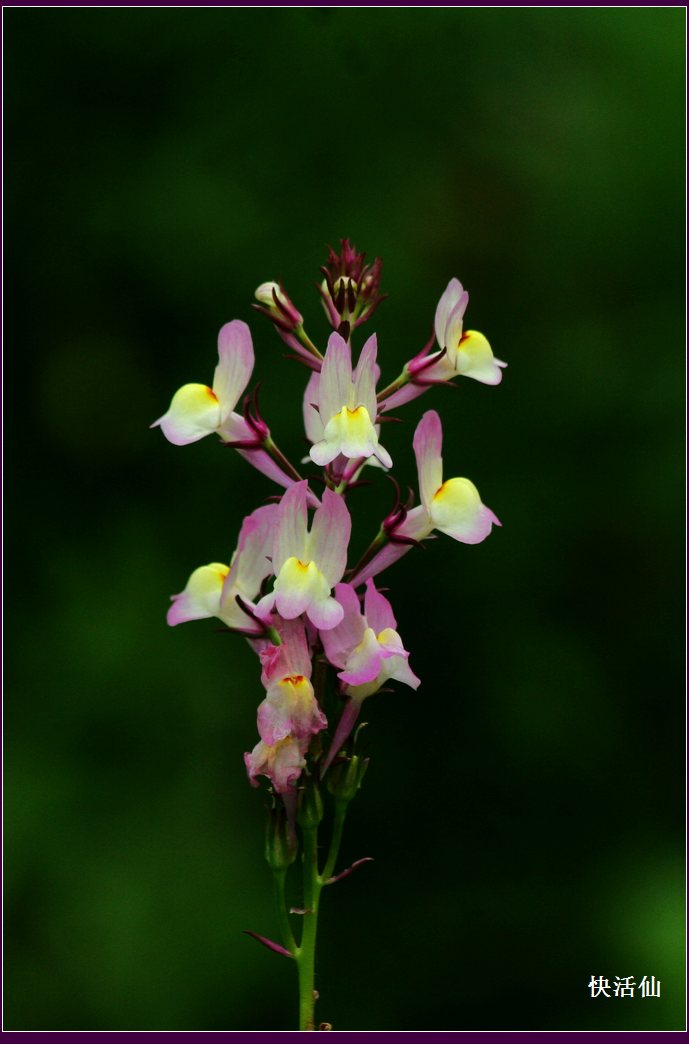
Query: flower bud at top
{"type": "Point", "coordinates": [344, 778]}
{"type": "Point", "coordinates": [281, 839]}
{"type": "Point", "coordinates": [350, 289]}
{"type": "Point", "coordinates": [274, 302]}
{"type": "Point", "coordinates": [310, 807]}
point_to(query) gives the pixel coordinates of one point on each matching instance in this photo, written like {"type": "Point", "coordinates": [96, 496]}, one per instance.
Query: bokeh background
{"type": "Point", "coordinates": [525, 807]}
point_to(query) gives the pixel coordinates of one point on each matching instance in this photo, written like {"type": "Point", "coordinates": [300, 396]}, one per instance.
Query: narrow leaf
{"type": "Point", "coordinates": [269, 943]}
{"type": "Point", "coordinates": [349, 870]}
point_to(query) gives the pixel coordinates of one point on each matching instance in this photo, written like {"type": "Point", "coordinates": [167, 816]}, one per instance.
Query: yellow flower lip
{"type": "Point", "coordinates": [440, 493]}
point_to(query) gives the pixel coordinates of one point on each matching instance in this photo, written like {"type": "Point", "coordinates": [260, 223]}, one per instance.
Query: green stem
{"type": "Point", "coordinates": [306, 954]}
{"type": "Point", "coordinates": [281, 907]}
{"type": "Point", "coordinates": [338, 826]}
{"type": "Point", "coordinates": [307, 342]}
{"type": "Point", "coordinates": [280, 458]}
{"type": "Point", "coordinates": [399, 382]}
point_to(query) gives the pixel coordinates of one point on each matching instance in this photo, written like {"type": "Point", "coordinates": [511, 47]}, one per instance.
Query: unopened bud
{"type": "Point", "coordinates": [274, 302]}
{"type": "Point", "coordinates": [345, 776]}
{"type": "Point", "coordinates": [281, 840]}
{"type": "Point", "coordinates": [310, 808]}
{"type": "Point", "coordinates": [351, 289]}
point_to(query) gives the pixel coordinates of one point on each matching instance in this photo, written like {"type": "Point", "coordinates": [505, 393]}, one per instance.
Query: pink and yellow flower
{"type": "Point", "coordinates": [308, 563]}
{"type": "Point", "coordinates": [452, 507]}
{"type": "Point", "coordinates": [366, 646]}
{"type": "Point", "coordinates": [369, 652]}
{"type": "Point", "coordinates": [212, 590]}
{"type": "Point", "coordinates": [468, 354]}
{"type": "Point", "coordinates": [347, 405]}
{"type": "Point", "coordinates": [465, 354]}
{"type": "Point", "coordinates": [290, 707]}
{"type": "Point", "coordinates": [197, 410]}
{"type": "Point", "coordinates": [281, 762]}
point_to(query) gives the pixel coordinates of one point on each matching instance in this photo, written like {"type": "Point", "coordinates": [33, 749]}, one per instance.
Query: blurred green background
{"type": "Point", "coordinates": [525, 807]}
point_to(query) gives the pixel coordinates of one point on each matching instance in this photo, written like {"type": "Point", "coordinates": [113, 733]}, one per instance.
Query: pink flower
{"type": "Point", "coordinates": [281, 762]}
{"type": "Point", "coordinates": [347, 405]}
{"type": "Point", "coordinates": [212, 590]}
{"type": "Point", "coordinates": [197, 410]}
{"type": "Point", "coordinates": [290, 706]}
{"type": "Point", "coordinates": [308, 564]}
{"type": "Point", "coordinates": [452, 507]}
{"type": "Point", "coordinates": [369, 651]}
{"type": "Point", "coordinates": [366, 646]}
{"type": "Point", "coordinates": [468, 353]}
{"type": "Point", "coordinates": [461, 354]}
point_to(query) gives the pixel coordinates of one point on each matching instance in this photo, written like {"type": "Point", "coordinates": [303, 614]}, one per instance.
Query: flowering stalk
{"type": "Point", "coordinates": [324, 635]}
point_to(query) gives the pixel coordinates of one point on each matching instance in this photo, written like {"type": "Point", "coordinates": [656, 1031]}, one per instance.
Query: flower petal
{"type": "Point", "coordinates": [281, 762]}
{"type": "Point", "coordinates": [428, 448]}
{"type": "Point", "coordinates": [453, 329]}
{"type": "Point", "coordinates": [365, 378]}
{"type": "Point", "coordinates": [325, 451]}
{"type": "Point", "coordinates": [194, 413]}
{"type": "Point", "coordinates": [200, 599]}
{"type": "Point", "coordinates": [455, 295]}
{"type": "Point", "coordinates": [313, 425]}
{"type": "Point", "coordinates": [297, 586]}
{"type": "Point", "coordinates": [349, 432]}
{"type": "Point", "coordinates": [325, 613]}
{"type": "Point", "coordinates": [474, 358]}
{"type": "Point", "coordinates": [457, 510]}
{"type": "Point", "coordinates": [391, 644]}
{"type": "Point", "coordinates": [397, 669]}
{"type": "Point", "coordinates": [290, 532]}
{"type": "Point", "coordinates": [236, 362]}
{"type": "Point", "coordinates": [252, 564]}
{"type": "Point", "coordinates": [290, 709]}
{"type": "Point", "coordinates": [339, 641]}
{"type": "Point", "coordinates": [336, 389]}
{"type": "Point", "coordinates": [329, 538]}
{"type": "Point", "coordinates": [379, 614]}
{"type": "Point", "coordinates": [364, 662]}
{"type": "Point", "coordinates": [292, 657]}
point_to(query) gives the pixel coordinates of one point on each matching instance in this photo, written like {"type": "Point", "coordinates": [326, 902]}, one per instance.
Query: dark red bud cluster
{"type": "Point", "coordinates": [350, 288]}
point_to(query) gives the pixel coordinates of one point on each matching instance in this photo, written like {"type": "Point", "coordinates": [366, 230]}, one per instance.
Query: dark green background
{"type": "Point", "coordinates": [524, 808]}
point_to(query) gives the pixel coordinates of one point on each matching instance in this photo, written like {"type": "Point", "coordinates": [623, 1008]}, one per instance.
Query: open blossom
{"type": "Point", "coordinates": [465, 354]}
{"type": "Point", "coordinates": [366, 646]}
{"type": "Point", "coordinates": [453, 507]}
{"type": "Point", "coordinates": [290, 706]}
{"type": "Point", "coordinates": [347, 405]}
{"type": "Point", "coordinates": [368, 650]}
{"type": "Point", "coordinates": [197, 410]}
{"type": "Point", "coordinates": [281, 762]}
{"type": "Point", "coordinates": [308, 563]}
{"type": "Point", "coordinates": [212, 590]}
{"type": "Point", "coordinates": [313, 426]}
